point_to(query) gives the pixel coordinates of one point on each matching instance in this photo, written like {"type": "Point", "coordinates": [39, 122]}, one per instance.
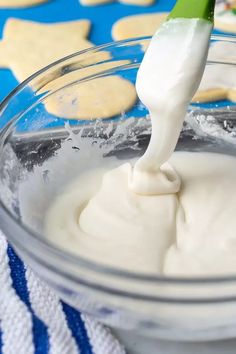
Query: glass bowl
{"type": "Point", "coordinates": [39, 121]}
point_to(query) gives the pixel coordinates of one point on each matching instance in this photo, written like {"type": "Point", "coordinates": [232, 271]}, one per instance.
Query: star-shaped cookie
{"type": "Point", "coordinates": [29, 46]}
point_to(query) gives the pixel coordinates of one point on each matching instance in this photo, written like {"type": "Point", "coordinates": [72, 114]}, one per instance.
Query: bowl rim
{"type": "Point", "coordinates": [76, 259]}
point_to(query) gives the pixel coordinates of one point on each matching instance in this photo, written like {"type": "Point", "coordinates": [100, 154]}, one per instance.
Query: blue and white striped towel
{"type": "Point", "coordinates": [33, 320]}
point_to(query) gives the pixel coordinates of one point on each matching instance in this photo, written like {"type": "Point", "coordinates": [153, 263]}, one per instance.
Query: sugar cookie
{"type": "Point", "coordinates": [87, 68]}
{"type": "Point", "coordinates": [225, 16]}
{"type": "Point", "coordinates": [137, 25]}
{"type": "Point", "coordinates": [128, 2]}
{"type": "Point", "coordinates": [28, 46]}
{"type": "Point", "coordinates": [19, 3]}
{"type": "Point", "coordinates": [103, 97]}
{"type": "Point", "coordinates": [219, 80]}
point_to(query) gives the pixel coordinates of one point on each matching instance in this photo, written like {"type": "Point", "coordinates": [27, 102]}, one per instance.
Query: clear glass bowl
{"type": "Point", "coordinates": [33, 136]}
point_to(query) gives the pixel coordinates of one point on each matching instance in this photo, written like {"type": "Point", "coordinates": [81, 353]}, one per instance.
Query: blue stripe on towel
{"type": "Point", "coordinates": [40, 334]}
{"type": "Point", "coordinates": [77, 327]}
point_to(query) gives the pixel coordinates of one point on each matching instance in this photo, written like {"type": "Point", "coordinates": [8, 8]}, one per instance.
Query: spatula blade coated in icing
{"type": "Point", "coordinates": [168, 77]}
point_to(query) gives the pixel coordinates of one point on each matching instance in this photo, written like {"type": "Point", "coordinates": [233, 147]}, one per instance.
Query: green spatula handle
{"type": "Point", "coordinates": [193, 9]}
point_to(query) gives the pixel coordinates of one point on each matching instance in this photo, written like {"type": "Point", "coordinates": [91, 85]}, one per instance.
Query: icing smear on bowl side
{"type": "Point", "coordinates": [170, 213]}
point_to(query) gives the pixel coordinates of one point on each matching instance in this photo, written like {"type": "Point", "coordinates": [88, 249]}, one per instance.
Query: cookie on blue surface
{"type": "Point", "coordinates": [137, 25]}
{"type": "Point", "coordinates": [101, 97]}
{"type": "Point", "coordinates": [19, 3]}
{"type": "Point", "coordinates": [28, 46]}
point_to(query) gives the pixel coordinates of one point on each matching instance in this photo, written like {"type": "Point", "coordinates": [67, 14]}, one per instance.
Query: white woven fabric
{"type": "Point", "coordinates": [47, 307]}
{"type": "Point", "coordinates": [33, 319]}
{"type": "Point", "coordinates": [105, 343]}
{"type": "Point", "coordinates": [16, 323]}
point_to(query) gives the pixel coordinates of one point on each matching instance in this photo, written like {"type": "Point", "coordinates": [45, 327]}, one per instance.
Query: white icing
{"type": "Point", "coordinates": [168, 77]}
{"type": "Point", "coordinates": [189, 233]}
{"type": "Point", "coordinates": [205, 238]}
